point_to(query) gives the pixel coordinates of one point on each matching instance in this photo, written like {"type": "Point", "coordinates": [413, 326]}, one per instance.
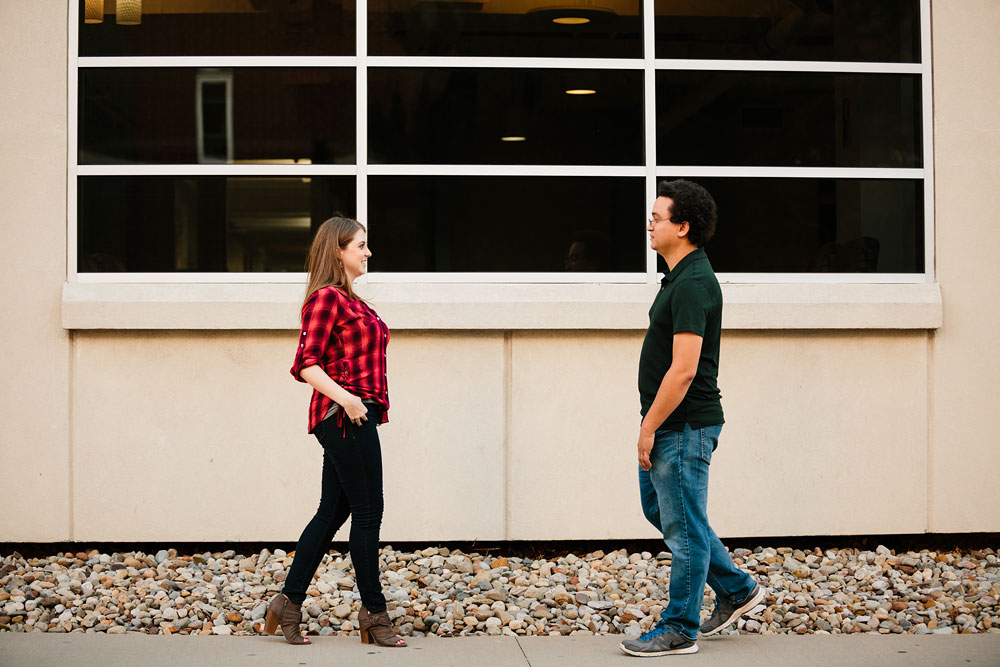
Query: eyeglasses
{"type": "Point", "coordinates": [653, 221]}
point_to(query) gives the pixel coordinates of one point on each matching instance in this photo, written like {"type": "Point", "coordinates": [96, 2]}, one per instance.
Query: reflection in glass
{"type": "Point", "coordinates": [504, 116]}
{"type": "Point", "coordinates": [516, 224]}
{"type": "Point", "coordinates": [792, 119]}
{"type": "Point", "coordinates": [806, 225]}
{"type": "Point", "coordinates": [845, 30]}
{"type": "Point", "coordinates": [164, 115]}
{"type": "Point", "coordinates": [226, 28]}
{"type": "Point", "coordinates": [203, 223]}
{"type": "Point", "coordinates": [524, 28]}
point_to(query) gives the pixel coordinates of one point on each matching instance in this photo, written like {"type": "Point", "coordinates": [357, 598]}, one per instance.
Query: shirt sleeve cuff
{"type": "Point", "coordinates": [305, 362]}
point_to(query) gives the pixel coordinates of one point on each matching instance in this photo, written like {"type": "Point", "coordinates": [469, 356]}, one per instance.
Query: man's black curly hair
{"type": "Point", "coordinates": [693, 205]}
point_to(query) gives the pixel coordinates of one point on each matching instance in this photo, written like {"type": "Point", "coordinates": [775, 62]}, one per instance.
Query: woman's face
{"type": "Point", "coordinates": [355, 255]}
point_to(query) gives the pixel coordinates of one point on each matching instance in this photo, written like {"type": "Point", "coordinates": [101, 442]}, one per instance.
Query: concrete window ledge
{"type": "Point", "coordinates": [498, 306]}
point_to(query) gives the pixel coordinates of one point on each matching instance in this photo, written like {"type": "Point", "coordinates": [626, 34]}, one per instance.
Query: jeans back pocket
{"type": "Point", "coordinates": [708, 440]}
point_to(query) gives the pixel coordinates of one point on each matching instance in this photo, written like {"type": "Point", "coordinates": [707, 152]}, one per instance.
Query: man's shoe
{"type": "Point", "coordinates": [726, 613]}
{"type": "Point", "coordinates": [661, 640]}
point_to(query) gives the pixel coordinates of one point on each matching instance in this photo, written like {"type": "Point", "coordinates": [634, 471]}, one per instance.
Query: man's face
{"type": "Point", "coordinates": [662, 232]}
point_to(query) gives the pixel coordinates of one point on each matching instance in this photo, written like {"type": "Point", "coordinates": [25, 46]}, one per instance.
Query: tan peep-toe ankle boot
{"type": "Point", "coordinates": [378, 628]}
{"type": "Point", "coordinates": [288, 614]}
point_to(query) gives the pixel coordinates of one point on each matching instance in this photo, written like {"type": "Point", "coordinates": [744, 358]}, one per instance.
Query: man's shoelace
{"type": "Point", "coordinates": [655, 631]}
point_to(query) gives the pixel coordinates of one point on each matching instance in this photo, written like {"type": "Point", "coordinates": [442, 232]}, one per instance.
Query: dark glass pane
{"type": "Point", "coordinates": [504, 116]}
{"type": "Point", "coordinates": [225, 28]}
{"type": "Point", "coordinates": [476, 223]}
{"type": "Point", "coordinates": [204, 223]}
{"type": "Point", "coordinates": [215, 124]}
{"type": "Point", "coordinates": [575, 29]}
{"type": "Point", "coordinates": [257, 114]}
{"type": "Point", "coordinates": [788, 119]}
{"type": "Point", "coordinates": [841, 30]}
{"type": "Point", "coordinates": [805, 225]}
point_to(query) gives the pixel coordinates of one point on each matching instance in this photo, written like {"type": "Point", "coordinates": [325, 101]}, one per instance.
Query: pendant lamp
{"type": "Point", "coordinates": [128, 12]}
{"type": "Point", "coordinates": [93, 11]}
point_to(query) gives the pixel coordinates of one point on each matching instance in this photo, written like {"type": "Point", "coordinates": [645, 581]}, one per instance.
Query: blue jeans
{"type": "Point", "coordinates": [674, 495]}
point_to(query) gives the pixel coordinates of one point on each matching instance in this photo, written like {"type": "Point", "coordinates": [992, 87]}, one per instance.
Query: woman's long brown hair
{"type": "Point", "coordinates": [324, 265]}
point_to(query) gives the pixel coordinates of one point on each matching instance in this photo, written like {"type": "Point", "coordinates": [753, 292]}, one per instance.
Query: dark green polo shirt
{"type": "Point", "coordinates": [689, 300]}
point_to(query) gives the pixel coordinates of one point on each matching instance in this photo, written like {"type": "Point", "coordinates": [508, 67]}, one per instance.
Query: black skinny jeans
{"type": "Point", "coordinates": [352, 486]}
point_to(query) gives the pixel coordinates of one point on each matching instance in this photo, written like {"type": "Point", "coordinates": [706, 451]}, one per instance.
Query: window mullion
{"type": "Point", "coordinates": [926, 118]}
{"type": "Point", "coordinates": [72, 153]}
{"type": "Point", "coordinates": [649, 120]}
{"type": "Point", "coordinates": [806, 66]}
{"type": "Point", "coordinates": [361, 119]}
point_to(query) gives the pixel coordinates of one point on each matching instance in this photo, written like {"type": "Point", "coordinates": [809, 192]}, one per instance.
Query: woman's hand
{"type": "Point", "coordinates": [349, 403]}
{"type": "Point", "coordinates": [356, 411]}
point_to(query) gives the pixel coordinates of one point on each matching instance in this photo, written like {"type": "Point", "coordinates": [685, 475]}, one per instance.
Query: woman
{"type": "Point", "coordinates": [342, 355]}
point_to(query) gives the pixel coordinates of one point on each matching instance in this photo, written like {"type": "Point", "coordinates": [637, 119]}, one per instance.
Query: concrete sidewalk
{"type": "Point", "coordinates": [22, 650]}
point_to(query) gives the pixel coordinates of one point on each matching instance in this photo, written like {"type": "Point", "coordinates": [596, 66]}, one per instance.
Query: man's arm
{"type": "Point", "coordinates": [675, 384]}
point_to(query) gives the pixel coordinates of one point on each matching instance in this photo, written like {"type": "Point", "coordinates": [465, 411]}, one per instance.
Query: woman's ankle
{"type": "Point", "coordinates": [296, 598]}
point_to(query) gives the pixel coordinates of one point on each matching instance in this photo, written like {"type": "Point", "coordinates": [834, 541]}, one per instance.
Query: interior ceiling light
{"type": "Point", "coordinates": [512, 139]}
{"type": "Point", "coordinates": [128, 12]}
{"type": "Point", "coordinates": [572, 14]}
{"type": "Point", "coordinates": [93, 11]}
{"type": "Point", "coordinates": [580, 91]}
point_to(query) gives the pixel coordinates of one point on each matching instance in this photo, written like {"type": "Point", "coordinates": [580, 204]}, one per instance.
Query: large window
{"type": "Point", "coordinates": [499, 142]}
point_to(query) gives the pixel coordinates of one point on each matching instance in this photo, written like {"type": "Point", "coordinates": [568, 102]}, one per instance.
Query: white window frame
{"type": "Point", "coordinates": [651, 171]}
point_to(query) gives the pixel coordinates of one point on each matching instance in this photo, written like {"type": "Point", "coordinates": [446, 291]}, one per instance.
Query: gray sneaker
{"type": "Point", "coordinates": [660, 640]}
{"type": "Point", "coordinates": [726, 613]}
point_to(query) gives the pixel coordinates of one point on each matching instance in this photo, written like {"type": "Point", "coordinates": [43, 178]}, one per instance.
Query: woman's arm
{"type": "Point", "coordinates": [319, 316]}
{"type": "Point", "coordinates": [321, 382]}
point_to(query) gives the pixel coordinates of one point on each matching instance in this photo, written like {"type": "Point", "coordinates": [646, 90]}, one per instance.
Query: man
{"type": "Point", "coordinates": [682, 419]}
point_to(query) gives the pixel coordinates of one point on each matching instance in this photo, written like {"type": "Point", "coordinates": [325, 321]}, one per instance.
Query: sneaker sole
{"type": "Point", "coordinates": [753, 602]}
{"type": "Point", "coordinates": [677, 651]}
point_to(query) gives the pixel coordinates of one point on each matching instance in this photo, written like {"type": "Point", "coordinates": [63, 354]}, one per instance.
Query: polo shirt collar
{"type": "Point", "coordinates": [690, 258]}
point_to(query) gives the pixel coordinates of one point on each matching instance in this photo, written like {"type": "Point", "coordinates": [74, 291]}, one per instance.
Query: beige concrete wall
{"type": "Point", "coordinates": [187, 436]}
{"type": "Point", "coordinates": [202, 436]}
{"type": "Point", "coordinates": [574, 420]}
{"type": "Point", "coordinates": [830, 430]}
{"type": "Point", "coordinates": [34, 365]}
{"type": "Point", "coordinates": [525, 435]}
{"type": "Point", "coordinates": [825, 434]}
{"type": "Point", "coordinates": [966, 349]}
{"type": "Point", "coordinates": [445, 446]}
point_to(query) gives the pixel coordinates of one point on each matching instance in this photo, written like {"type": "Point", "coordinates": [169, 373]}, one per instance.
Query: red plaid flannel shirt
{"type": "Point", "coordinates": [347, 339]}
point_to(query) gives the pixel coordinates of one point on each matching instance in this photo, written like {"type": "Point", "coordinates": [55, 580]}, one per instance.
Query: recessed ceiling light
{"type": "Point", "coordinates": [580, 91]}
{"type": "Point", "coordinates": [575, 12]}
{"type": "Point", "coordinates": [512, 139]}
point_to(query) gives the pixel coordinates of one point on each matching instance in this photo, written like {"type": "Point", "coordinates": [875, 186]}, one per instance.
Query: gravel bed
{"type": "Point", "coordinates": [445, 592]}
